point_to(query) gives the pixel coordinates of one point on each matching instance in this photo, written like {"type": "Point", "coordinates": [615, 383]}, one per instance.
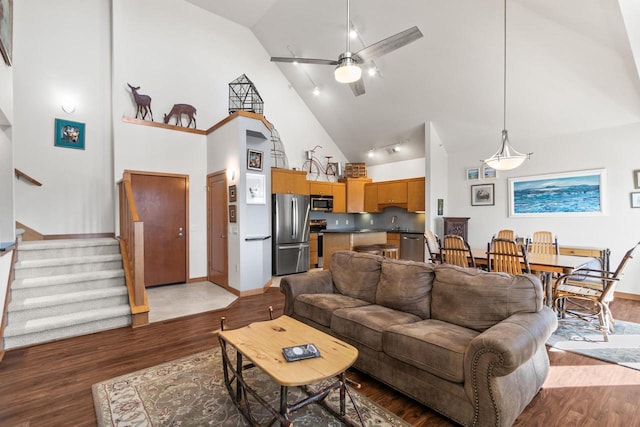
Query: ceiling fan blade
{"type": "Point", "coordinates": [357, 87]}
{"type": "Point", "coordinates": [388, 45]}
{"type": "Point", "coordinates": [304, 60]}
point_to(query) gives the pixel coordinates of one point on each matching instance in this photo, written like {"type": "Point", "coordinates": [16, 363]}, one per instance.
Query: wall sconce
{"type": "Point", "coordinates": [231, 174]}
{"type": "Point", "coordinates": [68, 107]}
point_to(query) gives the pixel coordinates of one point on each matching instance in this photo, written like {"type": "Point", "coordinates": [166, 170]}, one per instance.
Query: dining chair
{"type": "Point", "coordinates": [506, 234]}
{"type": "Point", "coordinates": [456, 251]}
{"type": "Point", "coordinates": [586, 293]}
{"type": "Point", "coordinates": [504, 255]}
{"type": "Point", "coordinates": [433, 246]}
{"type": "Point", "coordinates": [543, 242]}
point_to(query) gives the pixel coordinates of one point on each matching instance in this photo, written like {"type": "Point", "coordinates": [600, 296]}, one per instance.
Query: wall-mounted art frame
{"type": "Point", "coordinates": [483, 195]}
{"type": "Point", "coordinates": [6, 30]}
{"type": "Point", "coordinates": [488, 172]}
{"type": "Point", "coordinates": [233, 195]}
{"type": "Point", "coordinates": [255, 189]}
{"type": "Point", "coordinates": [254, 160]}
{"type": "Point", "coordinates": [580, 193]}
{"type": "Point", "coordinates": [69, 134]}
{"type": "Point", "coordinates": [635, 199]}
{"type": "Point", "coordinates": [233, 217]}
{"type": "Point", "coordinates": [473, 174]}
{"type": "Point", "coordinates": [636, 178]}
{"type": "Point", "coordinates": [440, 207]}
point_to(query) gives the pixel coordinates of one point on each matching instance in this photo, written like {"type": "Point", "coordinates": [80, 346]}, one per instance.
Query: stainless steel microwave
{"type": "Point", "coordinates": [322, 203]}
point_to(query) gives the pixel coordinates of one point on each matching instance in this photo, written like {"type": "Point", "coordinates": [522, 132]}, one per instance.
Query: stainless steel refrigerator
{"type": "Point", "coordinates": [290, 233]}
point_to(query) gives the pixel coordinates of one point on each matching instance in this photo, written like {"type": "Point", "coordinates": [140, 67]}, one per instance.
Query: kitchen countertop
{"type": "Point", "coordinates": [371, 230]}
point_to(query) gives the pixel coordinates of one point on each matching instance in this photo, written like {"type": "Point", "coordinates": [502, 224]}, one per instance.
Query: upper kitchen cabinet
{"type": "Point", "coordinates": [392, 193]}
{"type": "Point", "coordinates": [320, 188]}
{"type": "Point", "coordinates": [285, 181]}
{"type": "Point", "coordinates": [371, 197]}
{"type": "Point", "coordinates": [415, 195]}
{"type": "Point", "coordinates": [355, 196]}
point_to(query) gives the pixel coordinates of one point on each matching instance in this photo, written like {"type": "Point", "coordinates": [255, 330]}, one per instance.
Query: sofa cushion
{"type": "Point", "coordinates": [356, 274]}
{"type": "Point", "coordinates": [431, 345]}
{"type": "Point", "coordinates": [478, 300]}
{"type": "Point", "coordinates": [406, 286]}
{"type": "Point", "coordinates": [320, 307]}
{"type": "Point", "coordinates": [365, 324]}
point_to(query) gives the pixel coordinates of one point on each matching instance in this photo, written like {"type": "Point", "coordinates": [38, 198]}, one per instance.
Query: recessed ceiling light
{"type": "Point", "coordinates": [316, 91]}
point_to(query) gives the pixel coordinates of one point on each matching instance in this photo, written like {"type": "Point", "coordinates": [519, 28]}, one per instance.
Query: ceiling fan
{"type": "Point", "coordinates": [348, 63]}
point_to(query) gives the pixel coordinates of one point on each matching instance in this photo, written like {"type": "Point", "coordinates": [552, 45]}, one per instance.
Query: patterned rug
{"type": "Point", "coordinates": [191, 392]}
{"type": "Point", "coordinates": [623, 347]}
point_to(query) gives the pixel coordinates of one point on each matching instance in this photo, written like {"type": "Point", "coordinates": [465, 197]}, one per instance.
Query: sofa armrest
{"type": "Point", "coordinates": [510, 343]}
{"type": "Point", "coordinates": [313, 282]}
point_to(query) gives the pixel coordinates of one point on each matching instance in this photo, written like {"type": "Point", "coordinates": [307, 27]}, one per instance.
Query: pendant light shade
{"type": "Point", "coordinates": [347, 71]}
{"type": "Point", "coordinates": [506, 157]}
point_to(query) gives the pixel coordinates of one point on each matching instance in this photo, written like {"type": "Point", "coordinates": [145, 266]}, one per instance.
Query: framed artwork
{"type": "Point", "coordinates": [254, 160]}
{"type": "Point", "coordinates": [473, 174]}
{"type": "Point", "coordinates": [482, 195]}
{"type": "Point", "coordinates": [232, 193]}
{"type": "Point", "coordinates": [635, 199]}
{"type": "Point", "coordinates": [69, 134]}
{"type": "Point", "coordinates": [6, 30]}
{"type": "Point", "coordinates": [488, 172]}
{"type": "Point", "coordinates": [255, 189]}
{"type": "Point", "coordinates": [636, 178]}
{"type": "Point", "coordinates": [440, 206]}
{"type": "Point", "coordinates": [232, 214]}
{"type": "Point", "coordinates": [580, 193]}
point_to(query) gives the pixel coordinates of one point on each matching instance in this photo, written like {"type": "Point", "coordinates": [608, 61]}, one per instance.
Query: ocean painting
{"type": "Point", "coordinates": [575, 193]}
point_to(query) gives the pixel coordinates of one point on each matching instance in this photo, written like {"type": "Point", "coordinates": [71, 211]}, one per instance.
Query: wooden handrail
{"type": "Point", "coordinates": [20, 174]}
{"type": "Point", "coordinates": [132, 248]}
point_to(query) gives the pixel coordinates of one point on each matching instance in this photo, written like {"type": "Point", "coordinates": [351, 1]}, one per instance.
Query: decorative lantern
{"type": "Point", "coordinates": [243, 96]}
{"type": "Point", "coordinates": [277, 151]}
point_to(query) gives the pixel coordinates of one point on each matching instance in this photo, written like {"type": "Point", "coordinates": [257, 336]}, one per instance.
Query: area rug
{"type": "Point", "coordinates": [191, 392]}
{"type": "Point", "coordinates": [623, 347]}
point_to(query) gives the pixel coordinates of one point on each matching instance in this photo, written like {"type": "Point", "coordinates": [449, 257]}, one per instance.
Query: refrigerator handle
{"type": "Point", "coordinates": [294, 213]}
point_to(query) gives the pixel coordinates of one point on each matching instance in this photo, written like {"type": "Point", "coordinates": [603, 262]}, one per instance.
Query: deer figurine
{"type": "Point", "coordinates": [178, 110]}
{"type": "Point", "coordinates": [143, 102]}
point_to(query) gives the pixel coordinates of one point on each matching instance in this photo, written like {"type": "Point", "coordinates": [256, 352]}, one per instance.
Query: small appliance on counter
{"type": "Point", "coordinates": [318, 226]}
{"type": "Point", "coordinates": [290, 233]}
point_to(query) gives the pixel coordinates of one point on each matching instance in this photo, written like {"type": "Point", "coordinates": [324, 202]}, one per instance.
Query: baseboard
{"type": "Point", "coordinates": [197, 279]}
{"type": "Point", "coordinates": [625, 295]}
{"type": "Point", "coordinates": [78, 236]}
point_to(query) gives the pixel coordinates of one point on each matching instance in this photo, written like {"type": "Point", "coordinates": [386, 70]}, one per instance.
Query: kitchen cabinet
{"type": "Point", "coordinates": [394, 239]}
{"type": "Point", "coordinates": [313, 250]}
{"type": "Point", "coordinates": [285, 181]}
{"type": "Point", "coordinates": [371, 198]}
{"type": "Point", "coordinates": [392, 193]}
{"type": "Point", "coordinates": [334, 189]}
{"type": "Point", "coordinates": [415, 195]}
{"type": "Point", "coordinates": [355, 198]}
{"type": "Point", "coordinates": [320, 188]}
{"type": "Point", "coordinates": [338, 241]}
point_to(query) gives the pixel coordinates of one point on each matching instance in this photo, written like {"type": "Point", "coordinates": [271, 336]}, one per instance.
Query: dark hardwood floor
{"type": "Point", "coordinates": [50, 384]}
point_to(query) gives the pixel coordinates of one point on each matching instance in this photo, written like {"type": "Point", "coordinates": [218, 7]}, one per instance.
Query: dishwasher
{"type": "Point", "coordinates": [412, 247]}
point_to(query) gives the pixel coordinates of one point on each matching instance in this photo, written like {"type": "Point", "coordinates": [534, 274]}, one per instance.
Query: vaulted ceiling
{"type": "Point", "coordinates": [570, 68]}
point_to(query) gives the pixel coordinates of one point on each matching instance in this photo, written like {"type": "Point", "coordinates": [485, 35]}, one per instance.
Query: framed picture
{"type": "Point", "coordinates": [440, 207]}
{"type": "Point", "coordinates": [488, 172]}
{"type": "Point", "coordinates": [255, 189]}
{"type": "Point", "coordinates": [232, 193]}
{"type": "Point", "coordinates": [6, 30]}
{"type": "Point", "coordinates": [69, 134]}
{"type": "Point", "coordinates": [482, 195]}
{"type": "Point", "coordinates": [635, 199]}
{"type": "Point", "coordinates": [636, 178]}
{"type": "Point", "coordinates": [232, 214]}
{"type": "Point", "coordinates": [254, 160]}
{"type": "Point", "coordinates": [580, 193]}
{"type": "Point", "coordinates": [473, 174]}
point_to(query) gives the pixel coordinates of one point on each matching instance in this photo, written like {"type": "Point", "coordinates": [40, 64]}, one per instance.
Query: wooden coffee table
{"type": "Point", "coordinates": [262, 343]}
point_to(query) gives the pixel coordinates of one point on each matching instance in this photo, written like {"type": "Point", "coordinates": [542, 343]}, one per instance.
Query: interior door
{"type": "Point", "coordinates": [217, 225]}
{"type": "Point", "coordinates": [161, 201]}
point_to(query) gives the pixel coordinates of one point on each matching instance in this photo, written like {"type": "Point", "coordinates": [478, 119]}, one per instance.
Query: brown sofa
{"type": "Point", "coordinates": [469, 344]}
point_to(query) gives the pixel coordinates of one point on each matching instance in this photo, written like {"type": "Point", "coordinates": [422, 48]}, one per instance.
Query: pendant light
{"type": "Point", "coordinates": [506, 157]}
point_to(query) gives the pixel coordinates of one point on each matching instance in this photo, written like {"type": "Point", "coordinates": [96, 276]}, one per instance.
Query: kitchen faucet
{"type": "Point", "coordinates": [394, 222]}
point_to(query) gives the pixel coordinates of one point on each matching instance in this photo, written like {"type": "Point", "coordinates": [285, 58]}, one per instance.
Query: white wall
{"type": "Point", "coordinates": [62, 50]}
{"type": "Point", "coordinates": [615, 149]}
{"type": "Point", "coordinates": [397, 170]}
{"type": "Point", "coordinates": [436, 183]}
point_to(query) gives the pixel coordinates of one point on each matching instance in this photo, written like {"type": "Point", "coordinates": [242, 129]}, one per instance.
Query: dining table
{"type": "Point", "coordinates": [545, 265]}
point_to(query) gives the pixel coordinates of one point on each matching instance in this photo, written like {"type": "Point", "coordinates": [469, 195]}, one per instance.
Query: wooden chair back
{"type": "Point", "coordinates": [506, 234]}
{"type": "Point", "coordinates": [433, 245]}
{"type": "Point", "coordinates": [505, 256]}
{"type": "Point", "coordinates": [456, 251]}
{"type": "Point", "coordinates": [543, 242]}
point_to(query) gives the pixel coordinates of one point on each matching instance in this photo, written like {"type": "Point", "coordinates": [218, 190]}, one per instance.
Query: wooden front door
{"type": "Point", "coordinates": [217, 255]}
{"type": "Point", "coordinates": [161, 201]}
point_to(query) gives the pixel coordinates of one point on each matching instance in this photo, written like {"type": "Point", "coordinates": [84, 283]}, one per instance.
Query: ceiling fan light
{"type": "Point", "coordinates": [348, 72]}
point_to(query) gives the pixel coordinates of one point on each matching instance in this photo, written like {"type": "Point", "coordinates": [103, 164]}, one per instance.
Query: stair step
{"type": "Point", "coordinates": [46, 306]}
{"type": "Point", "coordinates": [66, 248]}
{"type": "Point", "coordinates": [63, 283]}
{"type": "Point", "coordinates": [66, 326]}
{"type": "Point", "coordinates": [49, 267]}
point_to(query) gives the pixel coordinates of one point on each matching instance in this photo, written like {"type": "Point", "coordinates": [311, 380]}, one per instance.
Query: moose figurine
{"type": "Point", "coordinates": [178, 110]}
{"type": "Point", "coordinates": [142, 101]}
